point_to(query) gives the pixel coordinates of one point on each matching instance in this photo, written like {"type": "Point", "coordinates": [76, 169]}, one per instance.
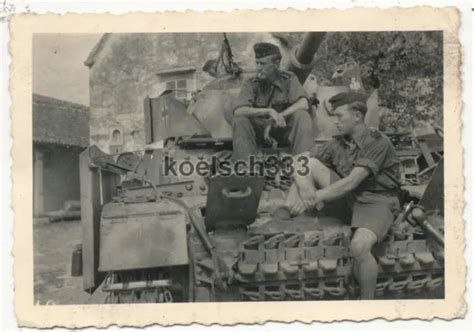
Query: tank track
{"type": "Point", "coordinates": [411, 265]}
{"type": "Point", "coordinates": [144, 286]}
{"type": "Point", "coordinates": [289, 267]}
{"type": "Point", "coordinates": [294, 266]}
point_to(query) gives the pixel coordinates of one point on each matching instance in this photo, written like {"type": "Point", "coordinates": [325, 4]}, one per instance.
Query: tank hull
{"type": "Point", "coordinates": [305, 258]}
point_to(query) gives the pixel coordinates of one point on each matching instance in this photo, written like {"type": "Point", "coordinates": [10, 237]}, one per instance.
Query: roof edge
{"type": "Point", "coordinates": [76, 106]}
{"type": "Point", "coordinates": [83, 143]}
{"type": "Point", "coordinates": [96, 50]}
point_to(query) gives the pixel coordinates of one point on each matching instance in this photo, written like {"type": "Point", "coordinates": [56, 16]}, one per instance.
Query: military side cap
{"type": "Point", "coordinates": [265, 49]}
{"type": "Point", "coordinates": [345, 98]}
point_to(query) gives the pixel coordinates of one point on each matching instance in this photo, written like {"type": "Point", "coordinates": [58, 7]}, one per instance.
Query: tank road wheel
{"type": "Point", "coordinates": [202, 294]}
{"type": "Point", "coordinates": [127, 297]}
{"type": "Point", "coordinates": [112, 298]}
{"type": "Point", "coordinates": [149, 296]}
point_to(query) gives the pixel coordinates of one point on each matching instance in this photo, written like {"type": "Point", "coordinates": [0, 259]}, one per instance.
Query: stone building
{"type": "Point", "coordinates": [125, 69]}
{"type": "Point", "coordinates": [60, 134]}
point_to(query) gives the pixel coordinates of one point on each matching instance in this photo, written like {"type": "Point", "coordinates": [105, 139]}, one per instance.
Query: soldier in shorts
{"type": "Point", "coordinates": [359, 168]}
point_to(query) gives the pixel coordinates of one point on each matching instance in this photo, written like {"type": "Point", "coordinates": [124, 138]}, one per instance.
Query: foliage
{"type": "Point", "coordinates": [406, 67]}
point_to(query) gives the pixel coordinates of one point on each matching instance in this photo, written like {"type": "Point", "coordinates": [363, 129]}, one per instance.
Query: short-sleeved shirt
{"type": "Point", "coordinates": [371, 150]}
{"type": "Point", "coordinates": [279, 95]}
{"type": "Point", "coordinates": [374, 203]}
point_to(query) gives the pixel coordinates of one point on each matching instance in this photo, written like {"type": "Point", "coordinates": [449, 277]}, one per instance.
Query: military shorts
{"type": "Point", "coordinates": [375, 211]}
{"type": "Point", "coordinates": [372, 210]}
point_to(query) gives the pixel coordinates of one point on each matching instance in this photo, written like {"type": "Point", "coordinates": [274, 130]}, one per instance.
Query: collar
{"type": "Point", "coordinates": [358, 139]}
{"type": "Point", "coordinates": [278, 81]}
{"type": "Point", "coordinates": [344, 140]}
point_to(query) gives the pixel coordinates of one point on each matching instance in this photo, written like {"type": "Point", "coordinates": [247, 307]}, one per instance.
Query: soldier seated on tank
{"type": "Point", "coordinates": [273, 103]}
{"type": "Point", "coordinates": [357, 171]}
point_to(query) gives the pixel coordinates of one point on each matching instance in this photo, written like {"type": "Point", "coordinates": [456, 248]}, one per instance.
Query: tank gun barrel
{"type": "Point", "coordinates": [303, 56]}
{"type": "Point", "coordinates": [416, 216]}
{"type": "Point", "coordinates": [419, 218]}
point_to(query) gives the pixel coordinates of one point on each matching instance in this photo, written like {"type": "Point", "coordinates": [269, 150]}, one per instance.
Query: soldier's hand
{"type": "Point", "coordinates": [309, 197]}
{"type": "Point", "coordinates": [277, 118]}
{"type": "Point", "coordinates": [297, 207]}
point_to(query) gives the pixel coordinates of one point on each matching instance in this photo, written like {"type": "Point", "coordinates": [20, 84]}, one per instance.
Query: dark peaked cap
{"type": "Point", "coordinates": [265, 49]}
{"type": "Point", "coordinates": [345, 98]}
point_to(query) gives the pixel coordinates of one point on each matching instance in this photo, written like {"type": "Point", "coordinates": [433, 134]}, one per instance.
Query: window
{"type": "Point", "coordinates": [115, 149]}
{"type": "Point", "coordinates": [180, 81]}
{"type": "Point", "coordinates": [116, 142]}
{"type": "Point", "coordinates": [180, 88]}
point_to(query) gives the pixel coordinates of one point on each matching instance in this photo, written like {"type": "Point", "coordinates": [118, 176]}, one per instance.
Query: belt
{"type": "Point", "coordinates": [385, 192]}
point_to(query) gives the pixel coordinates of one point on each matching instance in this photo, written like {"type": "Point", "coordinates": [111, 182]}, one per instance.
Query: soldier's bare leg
{"type": "Point", "coordinates": [293, 199]}
{"type": "Point", "coordinates": [365, 265]}
{"type": "Point", "coordinates": [319, 176]}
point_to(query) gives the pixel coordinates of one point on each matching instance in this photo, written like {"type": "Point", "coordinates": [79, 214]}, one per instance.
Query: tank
{"type": "Point", "coordinates": [152, 235]}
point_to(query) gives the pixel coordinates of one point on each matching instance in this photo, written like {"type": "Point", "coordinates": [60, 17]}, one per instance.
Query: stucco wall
{"type": "Point", "coordinates": [125, 71]}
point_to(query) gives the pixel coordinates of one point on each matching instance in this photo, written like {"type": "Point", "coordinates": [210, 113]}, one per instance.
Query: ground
{"type": "Point", "coordinates": [53, 247]}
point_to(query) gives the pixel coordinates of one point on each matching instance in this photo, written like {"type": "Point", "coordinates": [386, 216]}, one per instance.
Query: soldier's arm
{"type": "Point", "coordinates": [369, 163]}
{"type": "Point", "coordinates": [243, 104]}
{"type": "Point", "coordinates": [252, 111]}
{"type": "Point", "coordinates": [300, 105]}
{"type": "Point", "coordinates": [258, 112]}
{"type": "Point", "coordinates": [297, 98]}
{"type": "Point", "coordinates": [343, 186]}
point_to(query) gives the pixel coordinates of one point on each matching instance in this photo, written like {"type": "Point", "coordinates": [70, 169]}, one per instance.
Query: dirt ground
{"type": "Point", "coordinates": [53, 247]}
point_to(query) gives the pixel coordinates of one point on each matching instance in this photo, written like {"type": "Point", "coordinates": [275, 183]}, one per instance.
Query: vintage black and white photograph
{"type": "Point", "coordinates": [337, 193]}
{"type": "Point", "coordinates": [236, 170]}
